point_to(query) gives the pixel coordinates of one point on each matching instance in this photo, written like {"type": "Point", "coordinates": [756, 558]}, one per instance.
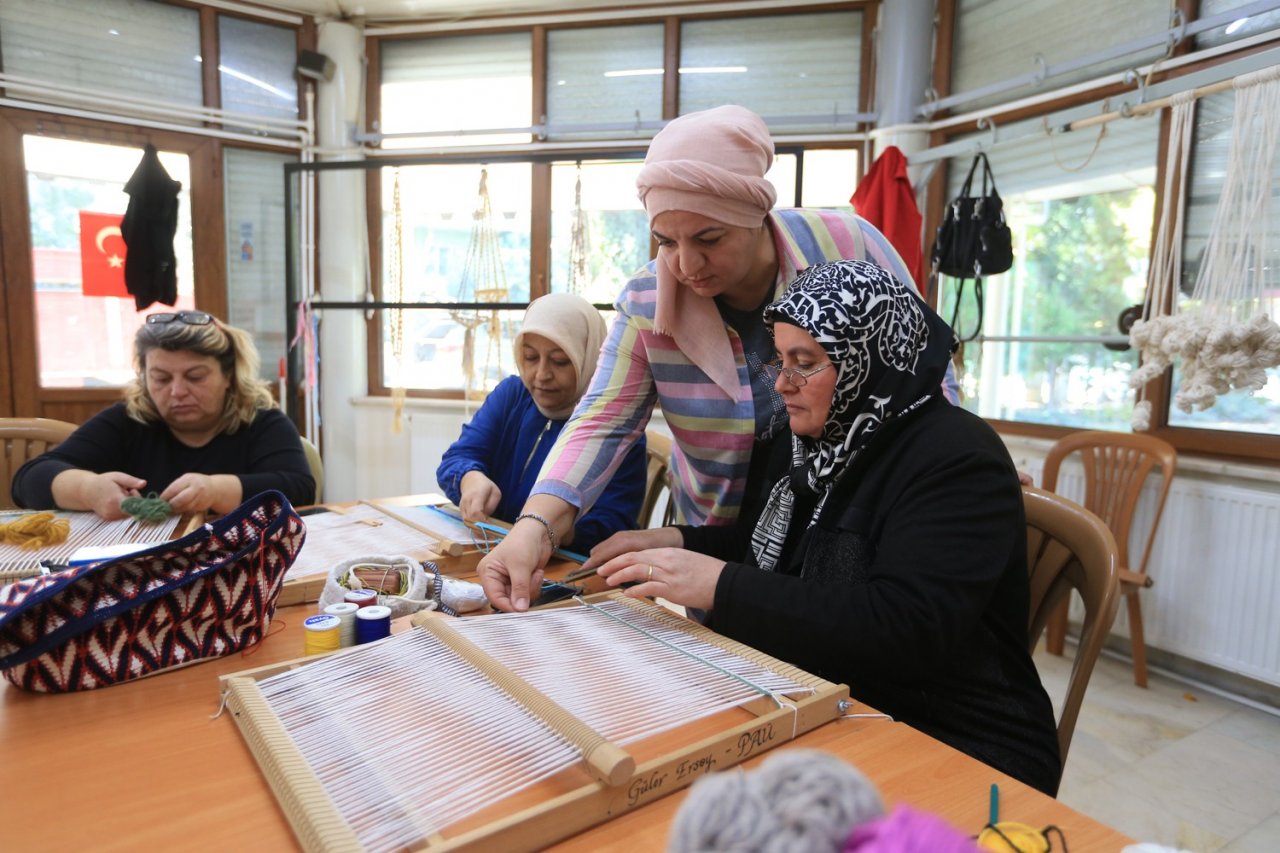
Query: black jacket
{"type": "Point", "coordinates": [911, 588]}
{"type": "Point", "coordinates": [150, 267]}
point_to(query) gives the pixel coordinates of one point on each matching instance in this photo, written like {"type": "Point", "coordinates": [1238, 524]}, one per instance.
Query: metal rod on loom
{"type": "Point", "coordinates": [609, 762]}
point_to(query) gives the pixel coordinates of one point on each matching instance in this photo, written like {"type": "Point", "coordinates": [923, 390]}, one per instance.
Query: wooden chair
{"type": "Point", "coordinates": [317, 466]}
{"type": "Point", "coordinates": [22, 439]}
{"type": "Point", "coordinates": [1116, 465]}
{"type": "Point", "coordinates": [1068, 548]}
{"type": "Point", "coordinates": [658, 449]}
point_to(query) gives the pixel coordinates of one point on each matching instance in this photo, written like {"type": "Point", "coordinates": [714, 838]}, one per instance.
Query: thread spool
{"type": "Point", "coordinates": [346, 612]}
{"type": "Point", "coordinates": [361, 597]}
{"type": "Point", "coordinates": [322, 634]}
{"type": "Point", "coordinates": [373, 623]}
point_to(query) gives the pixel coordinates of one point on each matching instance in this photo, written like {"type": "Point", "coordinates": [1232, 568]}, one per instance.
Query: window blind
{"type": "Point", "coordinates": [135, 47]}
{"type": "Point", "coordinates": [999, 39]}
{"type": "Point", "coordinates": [458, 83]}
{"type": "Point", "coordinates": [255, 249]}
{"type": "Point", "coordinates": [255, 68]}
{"type": "Point", "coordinates": [604, 75]}
{"type": "Point", "coordinates": [778, 66]}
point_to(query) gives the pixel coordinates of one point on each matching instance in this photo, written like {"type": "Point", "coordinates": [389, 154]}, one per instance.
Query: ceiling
{"type": "Point", "coordinates": [399, 10]}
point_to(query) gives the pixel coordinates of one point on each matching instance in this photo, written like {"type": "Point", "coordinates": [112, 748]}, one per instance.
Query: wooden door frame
{"type": "Point", "coordinates": [20, 391]}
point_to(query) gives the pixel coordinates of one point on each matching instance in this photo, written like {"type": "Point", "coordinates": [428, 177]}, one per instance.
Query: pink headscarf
{"type": "Point", "coordinates": [711, 163]}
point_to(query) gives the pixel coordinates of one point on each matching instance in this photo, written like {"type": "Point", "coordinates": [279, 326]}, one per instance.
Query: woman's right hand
{"type": "Point", "coordinates": [102, 493]}
{"type": "Point", "coordinates": [513, 569]}
{"type": "Point", "coordinates": [633, 540]}
{"type": "Point", "coordinates": [480, 497]}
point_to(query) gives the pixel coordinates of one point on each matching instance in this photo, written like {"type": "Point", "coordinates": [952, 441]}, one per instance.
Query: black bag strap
{"type": "Point", "coordinates": [955, 309]}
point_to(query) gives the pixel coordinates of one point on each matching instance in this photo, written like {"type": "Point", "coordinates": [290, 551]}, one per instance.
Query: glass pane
{"type": "Point", "coordinates": [460, 83]}
{"type": "Point", "coordinates": [1079, 260]}
{"type": "Point", "coordinates": [783, 177]}
{"type": "Point", "coordinates": [614, 229]}
{"type": "Point", "coordinates": [1236, 29]}
{"type": "Point", "coordinates": [443, 259]}
{"type": "Point", "coordinates": [255, 250]}
{"type": "Point", "coordinates": [755, 62]}
{"type": "Point", "coordinates": [830, 177]}
{"type": "Point", "coordinates": [604, 76]}
{"type": "Point", "coordinates": [137, 48]}
{"type": "Point", "coordinates": [86, 340]}
{"type": "Point", "coordinates": [255, 71]}
{"type": "Point", "coordinates": [1241, 411]}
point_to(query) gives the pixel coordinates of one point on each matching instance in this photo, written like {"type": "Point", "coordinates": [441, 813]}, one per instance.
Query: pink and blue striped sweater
{"type": "Point", "coordinates": [639, 368]}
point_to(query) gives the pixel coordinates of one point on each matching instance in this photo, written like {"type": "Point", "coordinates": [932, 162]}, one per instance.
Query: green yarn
{"type": "Point", "coordinates": [148, 510]}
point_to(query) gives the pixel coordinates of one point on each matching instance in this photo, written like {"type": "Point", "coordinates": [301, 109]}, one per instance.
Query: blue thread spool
{"type": "Point", "coordinates": [372, 623]}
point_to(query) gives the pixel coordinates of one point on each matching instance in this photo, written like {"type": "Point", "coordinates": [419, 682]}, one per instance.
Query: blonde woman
{"type": "Point", "coordinates": [197, 426]}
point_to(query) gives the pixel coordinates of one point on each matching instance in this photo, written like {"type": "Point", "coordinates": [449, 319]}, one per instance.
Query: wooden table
{"type": "Point", "coordinates": [142, 766]}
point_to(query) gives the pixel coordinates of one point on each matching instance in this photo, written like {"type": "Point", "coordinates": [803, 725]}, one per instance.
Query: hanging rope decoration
{"type": "Point", "coordinates": [35, 531]}
{"type": "Point", "coordinates": [484, 279]}
{"type": "Point", "coordinates": [579, 270]}
{"type": "Point", "coordinates": [148, 510]}
{"type": "Point", "coordinates": [396, 316]}
{"type": "Point", "coordinates": [1224, 336]}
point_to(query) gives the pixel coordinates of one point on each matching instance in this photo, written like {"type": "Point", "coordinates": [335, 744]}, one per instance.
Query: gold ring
{"type": "Point", "coordinates": [650, 572]}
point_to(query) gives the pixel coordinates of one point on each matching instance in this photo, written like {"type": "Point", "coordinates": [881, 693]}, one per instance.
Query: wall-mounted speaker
{"type": "Point", "coordinates": [317, 66]}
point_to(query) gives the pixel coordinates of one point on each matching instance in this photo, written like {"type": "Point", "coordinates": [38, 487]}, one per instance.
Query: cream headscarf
{"type": "Point", "coordinates": [573, 324]}
{"type": "Point", "coordinates": [711, 163]}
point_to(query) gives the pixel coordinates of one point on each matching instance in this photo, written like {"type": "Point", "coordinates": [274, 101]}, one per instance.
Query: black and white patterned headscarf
{"type": "Point", "coordinates": [890, 352]}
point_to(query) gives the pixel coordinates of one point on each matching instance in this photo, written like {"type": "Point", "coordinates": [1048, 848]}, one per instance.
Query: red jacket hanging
{"type": "Point", "coordinates": [886, 199]}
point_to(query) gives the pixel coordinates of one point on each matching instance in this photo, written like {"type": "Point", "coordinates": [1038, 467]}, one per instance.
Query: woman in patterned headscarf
{"type": "Point", "coordinates": [891, 553]}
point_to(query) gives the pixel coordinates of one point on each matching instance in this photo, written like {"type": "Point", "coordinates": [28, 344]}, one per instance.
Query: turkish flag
{"type": "Point", "coordinates": [102, 252]}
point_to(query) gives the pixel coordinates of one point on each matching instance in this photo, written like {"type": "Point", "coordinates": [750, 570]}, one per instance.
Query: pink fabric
{"type": "Point", "coordinates": [906, 830]}
{"type": "Point", "coordinates": [711, 163]}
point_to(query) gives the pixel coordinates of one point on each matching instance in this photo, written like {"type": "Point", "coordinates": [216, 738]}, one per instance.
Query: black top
{"type": "Point", "coordinates": [911, 588]}
{"type": "Point", "coordinates": [267, 454]}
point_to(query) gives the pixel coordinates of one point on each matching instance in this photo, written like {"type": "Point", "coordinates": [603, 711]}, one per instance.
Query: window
{"type": "Point", "coordinates": [85, 340]}
{"type": "Point", "coordinates": [755, 62]}
{"type": "Point", "coordinates": [604, 76]}
{"type": "Point", "coordinates": [460, 83]}
{"type": "Point", "coordinates": [1081, 223]}
{"type": "Point", "coordinates": [615, 229]}
{"type": "Point", "coordinates": [1238, 411]}
{"type": "Point", "coordinates": [255, 68]}
{"type": "Point", "coordinates": [136, 48]}
{"type": "Point", "coordinates": [446, 256]}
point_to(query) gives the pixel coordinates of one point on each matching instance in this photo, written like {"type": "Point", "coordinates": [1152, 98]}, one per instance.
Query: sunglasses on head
{"type": "Point", "coordinates": [191, 318]}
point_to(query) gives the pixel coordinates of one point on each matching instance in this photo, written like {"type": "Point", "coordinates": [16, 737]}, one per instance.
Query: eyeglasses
{"type": "Point", "coordinates": [191, 318]}
{"type": "Point", "coordinates": [797, 377]}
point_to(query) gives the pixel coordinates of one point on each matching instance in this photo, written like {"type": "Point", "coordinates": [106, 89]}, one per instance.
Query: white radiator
{"type": "Point", "coordinates": [1216, 572]}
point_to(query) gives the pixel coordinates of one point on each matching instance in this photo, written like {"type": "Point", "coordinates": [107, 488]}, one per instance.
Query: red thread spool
{"type": "Point", "coordinates": [362, 597]}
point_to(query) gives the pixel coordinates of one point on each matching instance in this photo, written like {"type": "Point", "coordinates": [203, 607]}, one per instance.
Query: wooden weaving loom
{"type": "Point", "coordinates": [508, 731]}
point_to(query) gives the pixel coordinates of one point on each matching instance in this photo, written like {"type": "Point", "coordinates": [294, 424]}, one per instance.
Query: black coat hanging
{"type": "Point", "coordinates": [150, 267]}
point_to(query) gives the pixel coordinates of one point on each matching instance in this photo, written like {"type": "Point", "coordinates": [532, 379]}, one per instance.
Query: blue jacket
{"type": "Point", "coordinates": [507, 441]}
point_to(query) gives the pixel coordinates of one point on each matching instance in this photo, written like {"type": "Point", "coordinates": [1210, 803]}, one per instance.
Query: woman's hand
{"type": "Point", "coordinates": [679, 576]}
{"type": "Point", "coordinates": [201, 492]}
{"type": "Point", "coordinates": [514, 567]}
{"type": "Point", "coordinates": [102, 493]}
{"type": "Point", "coordinates": [480, 497]}
{"type": "Point", "coordinates": [633, 540]}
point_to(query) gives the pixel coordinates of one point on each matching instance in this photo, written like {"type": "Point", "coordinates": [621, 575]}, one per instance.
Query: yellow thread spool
{"type": "Point", "coordinates": [322, 634]}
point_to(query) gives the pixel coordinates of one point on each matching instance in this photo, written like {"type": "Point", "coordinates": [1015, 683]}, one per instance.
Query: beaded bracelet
{"type": "Point", "coordinates": [551, 534]}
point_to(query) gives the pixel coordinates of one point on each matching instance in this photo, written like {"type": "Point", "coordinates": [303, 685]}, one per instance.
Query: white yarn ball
{"type": "Point", "coordinates": [723, 811]}
{"type": "Point", "coordinates": [818, 798]}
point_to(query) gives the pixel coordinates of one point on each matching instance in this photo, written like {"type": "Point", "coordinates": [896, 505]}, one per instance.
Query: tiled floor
{"type": "Point", "coordinates": [1170, 764]}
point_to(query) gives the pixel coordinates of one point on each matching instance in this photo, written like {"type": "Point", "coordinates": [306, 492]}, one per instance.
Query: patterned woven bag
{"type": "Point", "coordinates": [208, 594]}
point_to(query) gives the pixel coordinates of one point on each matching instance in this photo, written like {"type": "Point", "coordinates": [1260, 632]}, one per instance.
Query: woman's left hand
{"type": "Point", "coordinates": [195, 493]}
{"type": "Point", "coordinates": [679, 576]}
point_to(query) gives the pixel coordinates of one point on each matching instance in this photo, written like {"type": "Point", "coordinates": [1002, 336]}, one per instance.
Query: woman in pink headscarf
{"type": "Point", "coordinates": [689, 336]}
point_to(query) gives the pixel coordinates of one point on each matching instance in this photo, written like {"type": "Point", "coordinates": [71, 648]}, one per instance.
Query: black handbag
{"type": "Point", "coordinates": [973, 240]}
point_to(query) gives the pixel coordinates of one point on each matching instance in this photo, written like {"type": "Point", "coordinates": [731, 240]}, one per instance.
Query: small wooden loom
{"type": "Point", "coordinates": [87, 529]}
{"type": "Point", "coordinates": [473, 733]}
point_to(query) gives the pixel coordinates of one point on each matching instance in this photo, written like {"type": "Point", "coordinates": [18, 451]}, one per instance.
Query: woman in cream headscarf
{"type": "Point", "coordinates": [489, 470]}
{"type": "Point", "coordinates": [690, 335]}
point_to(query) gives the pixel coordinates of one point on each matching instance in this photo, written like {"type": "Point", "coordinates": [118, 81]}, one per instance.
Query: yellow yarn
{"type": "Point", "coordinates": [1013, 838]}
{"type": "Point", "coordinates": [36, 531]}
